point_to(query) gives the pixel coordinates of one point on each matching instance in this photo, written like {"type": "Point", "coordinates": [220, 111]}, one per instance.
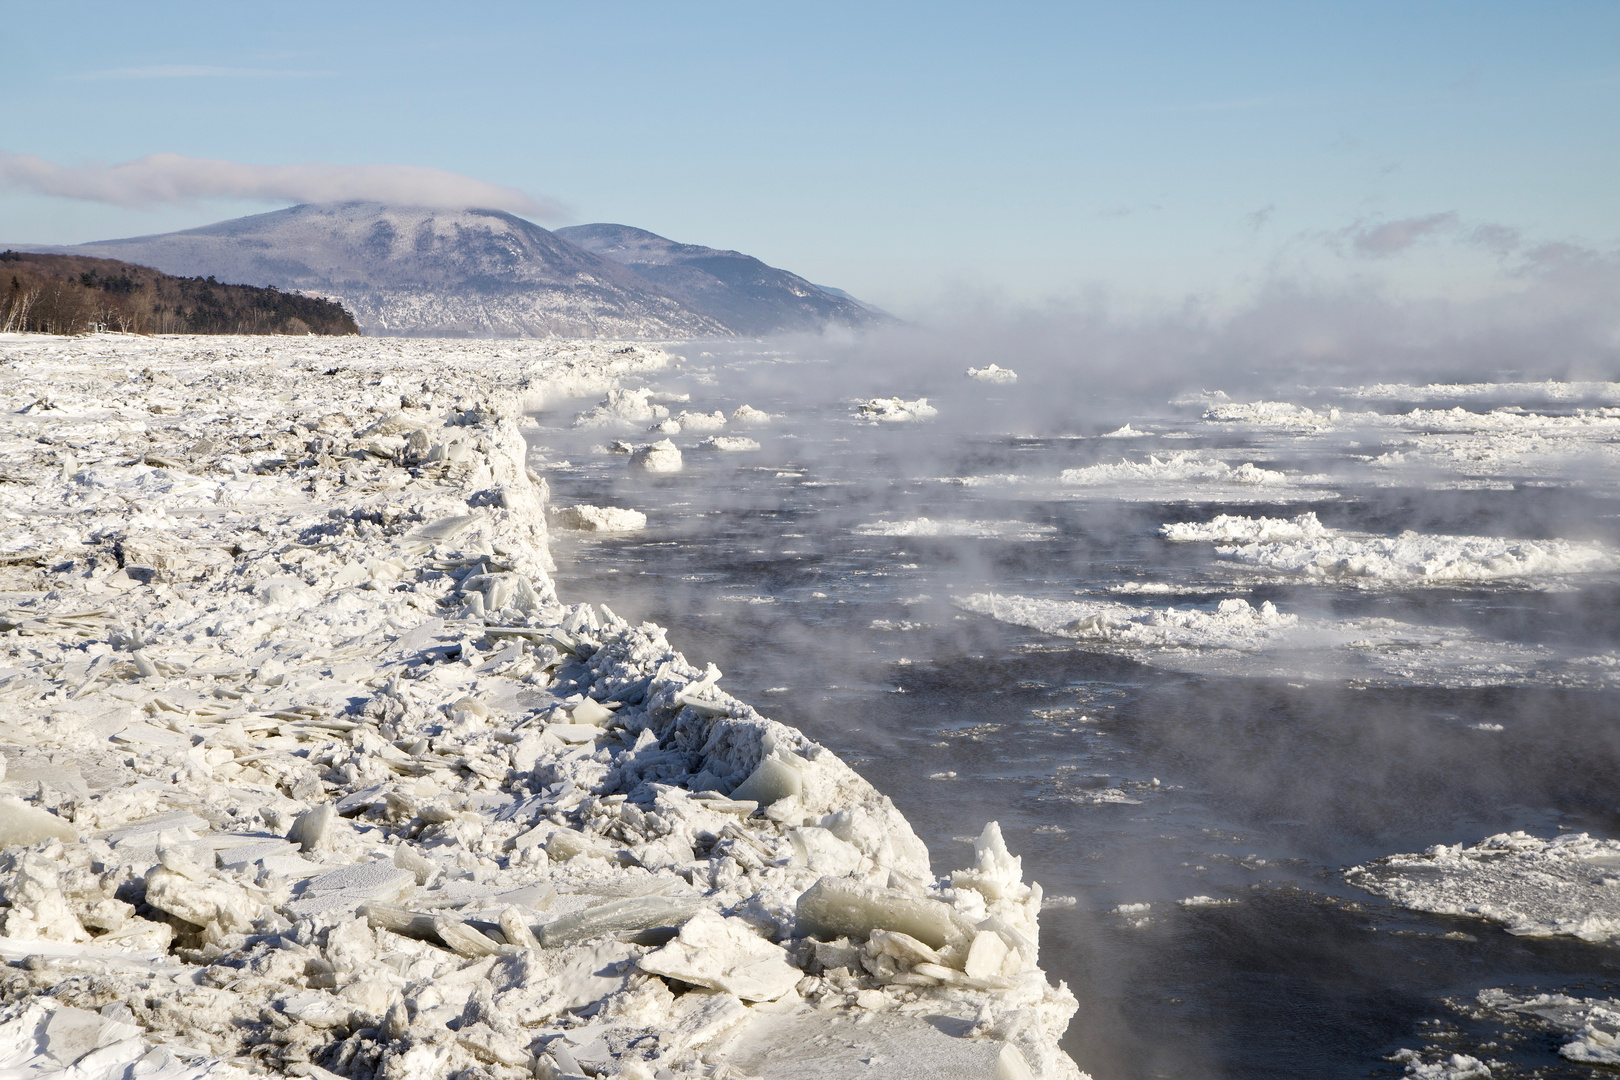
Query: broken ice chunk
{"type": "Point", "coordinates": [997, 874]}
{"type": "Point", "coordinates": [24, 824]}
{"type": "Point", "coordinates": [565, 844]}
{"type": "Point", "coordinates": [516, 928]}
{"type": "Point", "coordinates": [349, 886]}
{"type": "Point", "coordinates": [842, 907]}
{"type": "Point", "coordinates": [632, 913]}
{"type": "Point", "coordinates": [774, 779]}
{"type": "Point", "coordinates": [574, 733]}
{"type": "Point", "coordinates": [591, 711]}
{"type": "Point", "coordinates": [463, 938]}
{"type": "Point", "coordinates": [824, 852]}
{"type": "Point", "coordinates": [317, 829]}
{"type": "Point", "coordinates": [725, 954]}
{"type": "Point", "coordinates": [72, 1033]}
{"type": "Point", "coordinates": [444, 529]}
{"type": "Point", "coordinates": [986, 955]}
{"type": "Point", "coordinates": [201, 902]}
{"type": "Point", "coordinates": [408, 858]}
{"type": "Point", "coordinates": [904, 947]}
{"type": "Point", "coordinates": [600, 518]}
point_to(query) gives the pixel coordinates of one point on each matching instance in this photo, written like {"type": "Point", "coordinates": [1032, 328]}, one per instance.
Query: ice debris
{"type": "Point", "coordinates": [992, 374]}
{"type": "Point", "coordinates": [1594, 1022]}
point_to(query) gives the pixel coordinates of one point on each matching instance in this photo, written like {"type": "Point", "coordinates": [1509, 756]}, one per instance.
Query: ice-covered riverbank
{"type": "Point", "coordinates": [308, 767]}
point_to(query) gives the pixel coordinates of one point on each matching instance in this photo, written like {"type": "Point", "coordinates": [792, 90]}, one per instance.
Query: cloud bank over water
{"type": "Point", "coordinates": [171, 178]}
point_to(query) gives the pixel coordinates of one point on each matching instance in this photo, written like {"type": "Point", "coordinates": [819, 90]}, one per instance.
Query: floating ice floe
{"type": "Point", "coordinates": [1594, 1022]}
{"type": "Point", "coordinates": [1566, 886]}
{"type": "Point", "coordinates": [1234, 624]}
{"type": "Point", "coordinates": [747, 415]}
{"type": "Point", "coordinates": [989, 530]}
{"type": "Point", "coordinates": [1271, 414]}
{"type": "Point", "coordinates": [599, 518]}
{"type": "Point", "coordinates": [1304, 546]}
{"type": "Point", "coordinates": [1123, 432]}
{"type": "Point", "coordinates": [623, 407]}
{"type": "Point", "coordinates": [895, 409]}
{"type": "Point", "coordinates": [352, 792]}
{"type": "Point", "coordinates": [728, 443]}
{"type": "Point", "coordinates": [1237, 638]}
{"type": "Point", "coordinates": [1235, 528]}
{"type": "Point", "coordinates": [1549, 390]}
{"type": "Point", "coordinates": [992, 374]}
{"type": "Point", "coordinates": [1186, 465]}
{"type": "Point", "coordinates": [1444, 1067]}
{"type": "Point", "coordinates": [691, 421]}
{"type": "Point", "coordinates": [662, 456]}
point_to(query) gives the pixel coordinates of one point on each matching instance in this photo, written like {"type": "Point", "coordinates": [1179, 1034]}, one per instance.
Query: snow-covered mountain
{"type": "Point", "coordinates": [736, 289]}
{"type": "Point", "coordinates": [411, 271]}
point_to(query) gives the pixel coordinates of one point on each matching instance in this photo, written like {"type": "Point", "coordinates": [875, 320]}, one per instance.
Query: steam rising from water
{"type": "Point", "coordinates": [1210, 713]}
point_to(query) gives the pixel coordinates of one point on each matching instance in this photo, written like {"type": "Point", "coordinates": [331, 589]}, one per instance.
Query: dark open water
{"type": "Point", "coordinates": [1125, 778]}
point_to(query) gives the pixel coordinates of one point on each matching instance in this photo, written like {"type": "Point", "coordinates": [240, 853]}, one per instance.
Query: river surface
{"type": "Point", "coordinates": [974, 631]}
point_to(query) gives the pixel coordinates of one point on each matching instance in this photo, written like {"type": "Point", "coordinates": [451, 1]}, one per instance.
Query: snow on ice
{"type": "Point", "coordinates": [312, 771]}
{"type": "Point", "coordinates": [1569, 885]}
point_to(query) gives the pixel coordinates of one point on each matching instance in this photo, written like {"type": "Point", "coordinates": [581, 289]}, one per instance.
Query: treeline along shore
{"type": "Point", "coordinates": [75, 294]}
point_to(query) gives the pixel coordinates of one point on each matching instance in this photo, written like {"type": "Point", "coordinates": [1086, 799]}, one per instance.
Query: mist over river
{"type": "Point", "coordinates": [1199, 657]}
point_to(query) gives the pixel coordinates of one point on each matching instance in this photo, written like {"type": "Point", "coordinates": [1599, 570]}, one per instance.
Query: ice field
{"type": "Point", "coordinates": [311, 769]}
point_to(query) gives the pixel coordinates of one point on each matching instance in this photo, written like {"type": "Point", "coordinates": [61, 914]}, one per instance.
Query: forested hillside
{"type": "Point", "coordinates": [74, 294]}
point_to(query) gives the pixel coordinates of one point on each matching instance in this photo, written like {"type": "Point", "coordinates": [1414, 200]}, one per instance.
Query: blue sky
{"type": "Point", "coordinates": [902, 151]}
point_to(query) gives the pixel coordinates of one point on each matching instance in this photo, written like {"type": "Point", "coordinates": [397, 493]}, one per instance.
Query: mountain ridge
{"type": "Point", "coordinates": [414, 271]}
{"type": "Point", "coordinates": [737, 289]}
{"type": "Point", "coordinates": [420, 271]}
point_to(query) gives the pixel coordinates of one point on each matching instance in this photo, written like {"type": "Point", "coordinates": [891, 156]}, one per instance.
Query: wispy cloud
{"type": "Point", "coordinates": [200, 71]}
{"type": "Point", "coordinates": [1124, 211]}
{"type": "Point", "coordinates": [170, 178]}
{"type": "Point", "coordinates": [1259, 219]}
{"type": "Point", "coordinates": [1392, 237]}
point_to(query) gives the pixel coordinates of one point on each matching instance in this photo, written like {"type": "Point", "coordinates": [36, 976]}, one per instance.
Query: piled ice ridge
{"type": "Point", "coordinates": [1569, 885]}
{"type": "Point", "coordinates": [1306, 547]}
{"type": "Point", "coordinates": [992, 374]}
{"type": "Point", "coordinates": [895, 409]}
{"type": "Point", "coordinates": [309, 771]}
